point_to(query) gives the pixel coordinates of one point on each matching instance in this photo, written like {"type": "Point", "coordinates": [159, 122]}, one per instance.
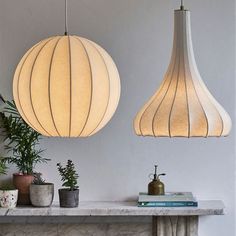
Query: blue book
{"type": "Point", "coordinates": [168, 204]}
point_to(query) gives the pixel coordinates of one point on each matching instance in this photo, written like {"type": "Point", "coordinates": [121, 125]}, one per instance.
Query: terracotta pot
{"type": "Point", "coordinates": [22, 183]}
{"type": "Point", "coordinates": [41, 195]}
{"type": "Point", "coordinates": [8, 198]}
{"type": "Point", "coordinates": [68, 198]}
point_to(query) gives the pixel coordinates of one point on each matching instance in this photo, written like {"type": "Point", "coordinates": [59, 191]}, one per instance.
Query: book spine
{"type": "Point", "coordinates": [167, 204]}
{"type": "Point", "coordinates": [166, 199]}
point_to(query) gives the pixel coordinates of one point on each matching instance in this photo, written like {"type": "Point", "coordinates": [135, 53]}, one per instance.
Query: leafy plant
{"type": "Point", "coordinates": [7, 187]}
{"type": "Point", "coordinates": [3, 167]}
{"type": "Point", "coordinates": [3, 171]}
{"type": "Point", "coordinates": [38, 180]}
{"type": "Point", "coordinates": [69, 175]}
{"type": "Point", "coordinates": [21, 140]}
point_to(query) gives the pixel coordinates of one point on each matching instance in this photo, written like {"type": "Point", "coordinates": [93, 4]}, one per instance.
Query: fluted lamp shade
{"type": "Point", "coordinates": [66, 86]}
{"type": "Point", "coordinates": [182, 106]}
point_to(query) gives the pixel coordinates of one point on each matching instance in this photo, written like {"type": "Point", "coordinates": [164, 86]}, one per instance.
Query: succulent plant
{"type": "Point", "coordinates": [38, 180]}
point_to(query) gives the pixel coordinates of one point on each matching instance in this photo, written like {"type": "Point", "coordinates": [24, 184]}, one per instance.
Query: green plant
{"type": "Point", "coordinates": [20, 140]}
{"type": "Point", "coordinates": [3, 171]}
{"type": "Point", "coordinates": [7, 187]}
{"type": "Point", "coordinates": [3, 167]}
{"type": "Point", "coordinates": [69, 175]}
{"type": "Point", "coordinates": [38, 180]}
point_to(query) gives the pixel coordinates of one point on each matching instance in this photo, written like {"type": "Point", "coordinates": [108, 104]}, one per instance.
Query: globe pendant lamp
{"type": "Point", "coordinates": [66, 86]}
{"type": "Point", "coordinates": [182, 106]}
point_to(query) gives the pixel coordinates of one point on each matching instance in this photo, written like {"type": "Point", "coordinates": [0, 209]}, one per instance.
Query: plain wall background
{"type": "Point", "coordinates": [114, 164]}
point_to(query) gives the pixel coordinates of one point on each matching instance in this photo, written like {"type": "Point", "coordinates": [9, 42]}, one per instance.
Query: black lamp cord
{"type": "Point", "coordinates": [66, 23]}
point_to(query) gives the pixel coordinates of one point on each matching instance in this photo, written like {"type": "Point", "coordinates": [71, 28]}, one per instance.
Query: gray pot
{"type": "Point", "coordinates": [41, 195]}
{"type": "Point", "coordinates": [68, 198]}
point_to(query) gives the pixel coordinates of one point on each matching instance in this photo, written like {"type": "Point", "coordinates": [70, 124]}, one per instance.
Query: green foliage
{"type": "Point", "coordinates": [3, 167]}
{"type": "Point", "coordinates": [7, 187]}
{"type": "Point", "coordinates": [38, 180]}
{"type": "Point", "coordinates": [68, 174]}
{"type": "Point", "coordinates": [20, 140]}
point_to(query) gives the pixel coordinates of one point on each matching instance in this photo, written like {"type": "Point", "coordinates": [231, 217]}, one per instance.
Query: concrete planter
{"type": "Point", "coordinates": [68, 198]}
{"type": "Point", "coordinates": [42, 195]}
{"type": "Point", "coordinates": [8, 198]}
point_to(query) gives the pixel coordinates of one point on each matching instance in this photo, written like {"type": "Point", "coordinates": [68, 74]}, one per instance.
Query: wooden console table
{"type": "Point", "coordinates": [176, 221]}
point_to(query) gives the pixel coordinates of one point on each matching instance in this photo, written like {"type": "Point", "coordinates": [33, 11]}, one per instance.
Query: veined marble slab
{"type": "Point", "coordinates": [118, 209]}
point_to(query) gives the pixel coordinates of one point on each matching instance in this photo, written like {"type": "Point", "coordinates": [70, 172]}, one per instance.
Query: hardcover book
{"type": "Point", "coordinates": [168, 204]}
{"type": "Point", "coordinates": [170, 199]}
{"type": "Point", "coordinates": [169, 196]}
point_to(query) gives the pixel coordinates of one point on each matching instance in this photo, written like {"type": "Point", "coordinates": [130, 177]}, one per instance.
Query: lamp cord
{"type": "Point", "coordinates": [182, 5]}
{"type": "Point", "coordinates": [66, 23]}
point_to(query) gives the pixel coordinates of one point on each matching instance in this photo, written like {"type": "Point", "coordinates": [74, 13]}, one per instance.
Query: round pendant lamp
{"type": "Point", "coordinates": [66, 86]}
{"type": "Point", "coordinates": [182, 106]}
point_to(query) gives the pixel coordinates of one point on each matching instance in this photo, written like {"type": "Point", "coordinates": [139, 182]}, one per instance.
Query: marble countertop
{"type": "Point", "coordinates": [214, 207]}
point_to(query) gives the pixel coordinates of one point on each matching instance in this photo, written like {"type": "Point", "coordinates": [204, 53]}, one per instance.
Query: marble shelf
{"type": "Point", "coordinates": [214, 207]}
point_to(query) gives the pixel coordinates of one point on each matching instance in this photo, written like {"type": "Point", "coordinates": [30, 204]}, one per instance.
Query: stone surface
{"type": "Point", "coordinates": [118, 209]}
{"type": "Point", "coordinates": [105, 219]}
{"type": "Point", "coordinates": [75, 230]}
{"type": "Point", "coordinates": [3, 211]}
{"type": "Point", "coordinates": [175, 226]}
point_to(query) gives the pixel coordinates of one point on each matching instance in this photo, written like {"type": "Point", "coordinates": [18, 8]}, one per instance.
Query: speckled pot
{"type": "Point", "coordinates": [8, 198]}
{"type": "Point", "coordinates": [42, 195]}
{"type": "Point", "coordinates": [68, 198]}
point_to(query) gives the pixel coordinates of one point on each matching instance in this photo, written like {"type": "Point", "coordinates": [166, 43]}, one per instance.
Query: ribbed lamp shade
{"type": "Point", "coordinates": [66, 86]}
{"type": "Point", "coordinates": [182, 106]}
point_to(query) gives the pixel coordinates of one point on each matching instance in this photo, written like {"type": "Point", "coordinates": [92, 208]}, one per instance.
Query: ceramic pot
{"type": "Point", "coordinates": [22, 183]}
{"type": "Point", "coordinates": [8, 198]}
{"type": "Point", "coordinates": [68, 198]}
{"type": "Point", "coordinates": [41, 195]}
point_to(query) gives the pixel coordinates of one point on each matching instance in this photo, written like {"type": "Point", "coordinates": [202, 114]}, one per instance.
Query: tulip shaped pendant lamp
{"type": "Point", "coordinates": [182, 106]}
{"type": "Point", "coordinates": [66, 86]}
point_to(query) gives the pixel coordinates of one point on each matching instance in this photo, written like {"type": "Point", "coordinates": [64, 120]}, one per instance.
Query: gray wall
{"type": "Point", "coordinates": [114, 164]}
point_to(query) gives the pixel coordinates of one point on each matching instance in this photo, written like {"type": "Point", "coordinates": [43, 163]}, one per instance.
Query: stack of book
{"type": "Point", "coordinates": [171, 199]}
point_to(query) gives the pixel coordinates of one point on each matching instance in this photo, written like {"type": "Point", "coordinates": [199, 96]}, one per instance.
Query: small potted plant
{"type": "Point", "coordinates": [8, 195]}
{"type": "Point", "coordinates": [21, 143]}
{"type": "Point", "coordinates": [41, 193]}
{"type": "Point", "coordinates": [69, 196]}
